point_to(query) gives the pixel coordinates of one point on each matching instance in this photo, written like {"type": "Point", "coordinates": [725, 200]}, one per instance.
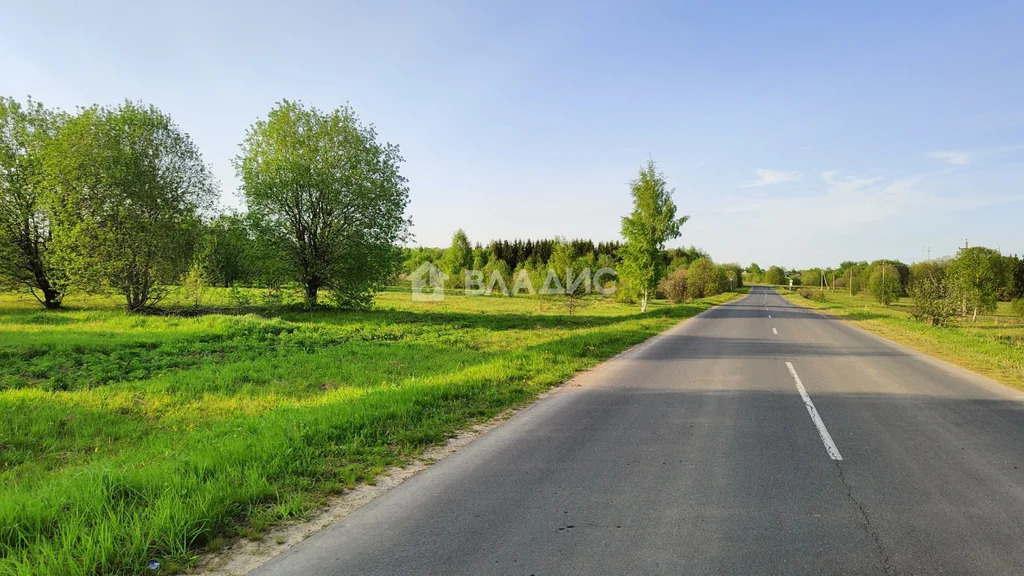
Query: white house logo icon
{"type": "Point", "coordinates": [428, 283]}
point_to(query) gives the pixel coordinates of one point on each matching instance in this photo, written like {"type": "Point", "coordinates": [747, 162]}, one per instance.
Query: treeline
{"type": "Point", "coordinates": [683, 273]}
{"type": "Point", "coordinates": [118, 199]}
{"type": "Point", "coordinates": [972, 282]}
{"type": "Point", "coordinates": [530, 253]}
{"type": "Point", "coordinates": [520, 252]}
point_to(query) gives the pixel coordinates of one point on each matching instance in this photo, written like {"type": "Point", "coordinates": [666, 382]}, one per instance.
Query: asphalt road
{"type": "Point", "coordinates": [696, 453]}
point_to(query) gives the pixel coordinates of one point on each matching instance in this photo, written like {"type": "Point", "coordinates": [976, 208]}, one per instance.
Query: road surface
{"type": "Point", "coordinates": [757, 438]}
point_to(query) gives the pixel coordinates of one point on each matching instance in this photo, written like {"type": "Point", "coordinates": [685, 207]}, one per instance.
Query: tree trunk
{"type": "Point", "coordinates": [643, 301]}
{"type": "Point", "coordinates": [312, 290]}
{"type": "Point", "coordinates": [51, 296]}
{"type": "Point", "coordinates": [975, 318]}
{"type": "Point", "coordinates": [51, 299]}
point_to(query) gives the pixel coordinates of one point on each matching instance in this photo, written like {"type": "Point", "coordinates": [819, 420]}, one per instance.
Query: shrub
{"type": "Point", "coordinates": [195, 284]}
{"type": "Point", "coordinates": [813, 294]}
{"type": "Point", "coordinates": [239, 297]}
{"type": "Point", "coordinates": [703, 279]}
{"type": "Point", "coordinates": [674, 286]}
{"type": "Point", "coordinates": [733, 275]}
{"type": "Point", "coordinates": [1018, 307]}
{"type": "Point", "coordinates": [933, 300]}
{"type": "Point", "coordinates": [884, 284]}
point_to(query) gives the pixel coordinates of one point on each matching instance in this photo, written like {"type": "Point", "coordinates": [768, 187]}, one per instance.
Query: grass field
{"type": "Point", "coordinates": [128, 438]}
{"type": "Point", "coordinates": [993, 346]}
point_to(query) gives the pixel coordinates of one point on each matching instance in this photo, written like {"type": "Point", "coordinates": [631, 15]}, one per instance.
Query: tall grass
{"type": "Point", "coordinates": [126, 439]}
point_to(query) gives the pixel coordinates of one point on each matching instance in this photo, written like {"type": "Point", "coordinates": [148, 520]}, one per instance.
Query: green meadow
{"type": "Point", "coordinates": [126, 439]}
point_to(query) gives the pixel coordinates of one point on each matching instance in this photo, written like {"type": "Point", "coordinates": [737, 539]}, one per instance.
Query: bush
{"type": "Point", "coordinates": [884, 284]}
{"type": "Point", "coordinates": [239, 297]}
{"type": "Point", "coordinates": [703, 279]}
{"type": "Point", "coordinates": [933, 300]}
{"type": "Point", "coordinates": [674, 286]}
{"type": "Point", "coordinates": [733, 275]}
{"type": "Point", "coordinates": [195, 284]}
{"type": "Point", "coordinates": [1018, 307]}
{"type": "Point", "coordinates": [813, 294]}
{"type": "Point", "coordinates": [811, 277]}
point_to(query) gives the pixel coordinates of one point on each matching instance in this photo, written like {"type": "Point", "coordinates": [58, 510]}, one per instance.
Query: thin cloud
{"type": "Point", "coordinates": [772, 177]}
{"type": "Point", "coordinates": [954, 157]}
{"type": "Point", "coordinates": [846, 203]}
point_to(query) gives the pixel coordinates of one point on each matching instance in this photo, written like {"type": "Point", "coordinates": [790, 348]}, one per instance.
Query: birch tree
{"type": "Point", "coordinates": [652, 223]}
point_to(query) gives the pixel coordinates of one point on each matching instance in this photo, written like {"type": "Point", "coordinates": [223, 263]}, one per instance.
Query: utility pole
{"type": "Point", "coordinates": [929, 254]}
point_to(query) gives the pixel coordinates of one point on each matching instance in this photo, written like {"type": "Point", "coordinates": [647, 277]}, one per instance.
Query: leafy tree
{"type": "Point", "coordinates": [26, 261]}
{"type": "Point", "coordinates": [1014, 277]}
{"type": "Point", "coordinates": [976, 275]}
{"type": "Point", "coordinates": [884, 284]}
{"type": "Point", "coordinates": [480, 257]}
{"type": "Point", "coordinates": [932, 296]}
{"type": "Point", "coordinates": [498, 276]}
{"type": "Point", "coordinates": [812, 277]}
{"type": "Point", "coordinates": [733, 276]}
{"type": "Point", "coordinates": [652, 223]}
{"type": "Point", "coordinates": [852, 276]}
{"type": "Point", "coordinates": [774, 276]}
{"type": "Point", "coordinates": [681, 257]}
{"type": "Point", "coordinates": [330, 196]}
{"type": "Point", "coordinates": [928, 269]}
{"type": "Point", "coordinates": [127, 188]}
{"type": "Point", "coordinates": [861, 276]}
{"type": "Point", "coordinates": [267, 260]}
{"type": "Point", "coordinates": [1018, 307]}
{"type": "Point", "coordinates": [574, 272]}
{"type": "Point", "coordinates": [413, 258]}
{"type": "Point", "coordinates": [753, 273]}
{"type": "Point", "coordinates": [195, 282]}
{"type": "Point", "coordinates": [227, 251]}
{"type": "Point", "coordinates": [457, 258]}
{"type": "Point", "coordinates": [902, 272]}
{"type": "Point", "coordinates": [704, 278]}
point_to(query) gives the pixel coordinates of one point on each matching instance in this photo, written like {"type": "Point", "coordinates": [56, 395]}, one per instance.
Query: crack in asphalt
{"type": "Point", "coordinates": [882, 554]}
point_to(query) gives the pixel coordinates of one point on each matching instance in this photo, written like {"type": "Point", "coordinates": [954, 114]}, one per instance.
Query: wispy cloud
{"type": "Point", "coordinates": [771, 177]}
{"type": "Point", "coordinates": [845, 203]}
{"type": "Point", "coordinates": [954, 157]}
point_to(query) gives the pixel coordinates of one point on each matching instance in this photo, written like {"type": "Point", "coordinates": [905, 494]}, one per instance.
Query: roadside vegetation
{"type": "Point", "coordinates": [967, 309]}
{"type": "Point", "coordinates": [129, 438]}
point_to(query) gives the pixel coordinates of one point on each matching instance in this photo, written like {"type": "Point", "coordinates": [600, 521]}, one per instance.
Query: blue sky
{"type": "Point", "coordinates": [796, 135]}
